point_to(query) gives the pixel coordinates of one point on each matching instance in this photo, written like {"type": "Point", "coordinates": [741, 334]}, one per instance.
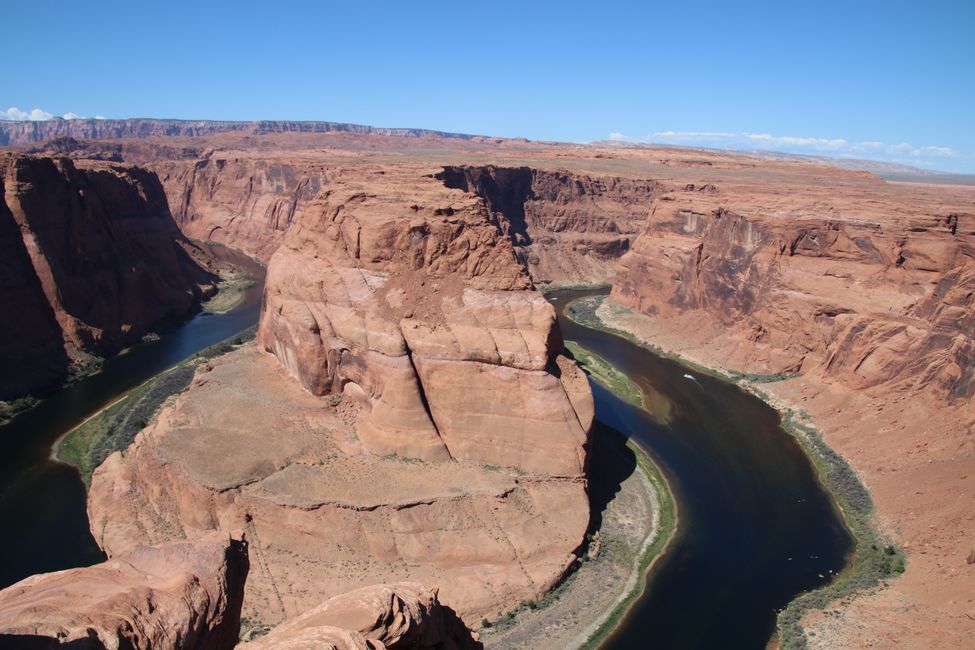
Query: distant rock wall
{"type": "Point", "coordinates": [22, 133]}
{"type": "Point", "coordinates": [865, 300]}
{"type": "Point", "coordinates": [247, 203]}
{"type": "Point", "coordinates": [566, 227]}
{"type": "Point", "coordinates": [92, 259]}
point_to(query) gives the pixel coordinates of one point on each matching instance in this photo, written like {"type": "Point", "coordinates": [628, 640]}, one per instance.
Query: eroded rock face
{"type": "Point", "coordinates": [414, 420]}
{"type": "Point", "coordinates": [92, 259]}
{"type": "Point", "coordinates": [245, 202]}
{"type": "Point", "coordinates": [401, 615]}
{"type": "Point", "coordinates": [412, 304]}
{"type": "Point", "coordinates": [177, 595]}
{"type": "Point", "coordinates": [866, 298]}
{"type": "Point", "coordinates": [567, 227]}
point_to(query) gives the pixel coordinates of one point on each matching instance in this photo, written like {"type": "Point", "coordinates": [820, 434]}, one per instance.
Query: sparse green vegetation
{"type": "Point", "coordinates": [12, 408]}
{"type": "Point", "coordinates": [605, 374]}
{"type": "Point", "coordinates": [230, 293]}
{"type": "Point", "coordinates": [113, 429]}
{"type": "Point", "coordinates": [874, 559]}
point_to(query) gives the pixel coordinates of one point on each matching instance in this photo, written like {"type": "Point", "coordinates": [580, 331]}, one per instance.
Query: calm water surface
{"type": "Point", "coordinates": [756, 527]}
{"type": "Point", "coordinates": [43, 512]}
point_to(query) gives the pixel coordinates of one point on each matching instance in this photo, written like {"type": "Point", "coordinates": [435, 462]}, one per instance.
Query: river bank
{"type": "Point", "coordinates": [874, 561]}
{"type": "Point", "coordinates": [43, 499]}
{"type": "Point", "coordinates": [114, 427]}
{"type": "Point", "coordinates": [635, 518]}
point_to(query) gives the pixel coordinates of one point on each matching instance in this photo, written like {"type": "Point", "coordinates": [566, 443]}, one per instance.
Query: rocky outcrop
{"type": "Point", "coordinates": [22, 133]}
{"type": "Point", "coordinates": [567, 227]}
{"type": "Point", "coordinates": [178, 595]}
{"type": "Point", "coordinates": [425, 426]}
{"type": "Point", "coordinates": [416, 307]}
{"type": "Point", "coordinates": [401, 615]}
{"type": "Point", "coordinates": [92, 259]}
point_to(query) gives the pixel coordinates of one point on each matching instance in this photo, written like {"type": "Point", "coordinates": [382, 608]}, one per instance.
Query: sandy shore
{"type": "Point", "coordinates": [635, 530]}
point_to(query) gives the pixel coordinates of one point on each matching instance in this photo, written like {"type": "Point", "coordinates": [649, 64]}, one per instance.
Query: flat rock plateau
{"type": "Point", "coordinates": [406, 413]}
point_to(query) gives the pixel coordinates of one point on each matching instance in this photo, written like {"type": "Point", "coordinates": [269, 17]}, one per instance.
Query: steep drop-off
{"type": "Point", "coordinates": [851, 301]}
{"type": "Point", "coordinates": [179, 595]}
{"type": "Point", "coordinates": [567, 227]}
{"type": "Point", "coordinates": [425, 426]}
{"type": "Point", "coordinates": [867, 297]}
{"type": "Point", "coordinates": [92, 259]}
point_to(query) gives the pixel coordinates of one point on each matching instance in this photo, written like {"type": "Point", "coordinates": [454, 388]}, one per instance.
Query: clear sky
{"type": "Point", "coordinates": [883, 80]}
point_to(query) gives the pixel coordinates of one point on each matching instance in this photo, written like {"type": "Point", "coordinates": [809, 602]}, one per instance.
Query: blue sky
{"type": "Point", "coordinates": [883, 80]}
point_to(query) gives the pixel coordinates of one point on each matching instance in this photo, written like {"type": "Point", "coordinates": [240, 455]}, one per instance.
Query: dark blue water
{"type": "Point", "coordinates": [756, 527]}
{"type": "Point", "coordinates": [43, 508]}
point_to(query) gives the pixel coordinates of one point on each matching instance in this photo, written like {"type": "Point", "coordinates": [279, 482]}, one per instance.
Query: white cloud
{"type": "Point", "coordinates": [18, 115]}
{"type": "Point", "coordinates": [903, 152]}
{"type": "Point", "coordinates": [36, 115]}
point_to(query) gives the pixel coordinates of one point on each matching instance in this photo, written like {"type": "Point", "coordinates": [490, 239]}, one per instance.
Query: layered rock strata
{"type": "Point", "coordinates": [177, 595]}
{"type": "Point", "coordinates": [567, 227]}
{"type": "Point", "coordinates": [851, 299]}
{"type": "Point", "coordinates": [414, 420]}
{"type": "Point", "coordinates": [91, 260]}
{"type": "Point", "coordinates": [868, 293]}
{"type": "Point", "coordinates": [22, 133]}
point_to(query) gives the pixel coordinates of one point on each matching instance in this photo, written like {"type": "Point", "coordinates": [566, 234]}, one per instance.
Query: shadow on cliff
{"type": "Point", "coordinates": [610, 463]}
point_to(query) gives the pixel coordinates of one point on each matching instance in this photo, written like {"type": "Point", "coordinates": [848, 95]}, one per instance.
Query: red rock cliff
{"type": "Point", "coordinates": [92, 259]}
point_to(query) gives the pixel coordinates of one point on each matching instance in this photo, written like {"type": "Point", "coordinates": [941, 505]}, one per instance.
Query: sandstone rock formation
{"type": "Point", "coordinates": [568, 228]}
{"type": "Point", "coordinates": [450, 446]}
{"type": "Point", "coordinates": [858, 286]}
{"type": "Point", "coordinates": [401, 615]}
{"type": "Point", "coordinates": [91, 260]}
{"type": "Point", "coordinates": [178, 595]}
{"type": "Point", "coordinates": [862, 291]}
{"type": "Point", "coordinates": [245, 446]}
{"type": "Point", "coordinates": [244, 202]}
{"type": "Point", "coordinates": [770, 267]}
{"type": "Point", "coordinates": [403, 294]}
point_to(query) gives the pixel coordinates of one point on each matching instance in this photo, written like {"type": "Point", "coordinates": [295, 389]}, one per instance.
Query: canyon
{"type": "Point", "coordinates": [407, 413]}
{"type": "Point", "coordinates": [93, 260]}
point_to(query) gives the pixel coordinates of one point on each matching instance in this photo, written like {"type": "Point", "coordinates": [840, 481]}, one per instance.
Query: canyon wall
{"type": "Point", "coordinates": [245, 202]}
{"type": "Point", "coordinates": [21, 133]}
{"type": "Point", "coordinates": [851, 301]}
{"type": "Point", "coordinates": [92, 260]}
{"type": "Point", "coordinates": [864, 299]}
{"type": "Point", "coordinates": [568, 228]}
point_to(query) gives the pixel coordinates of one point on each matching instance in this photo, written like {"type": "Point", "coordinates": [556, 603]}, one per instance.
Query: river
{"type": "Point", "coordinates": [43, 506]}
{"type": "Point", "coordinates": [756, 526]}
